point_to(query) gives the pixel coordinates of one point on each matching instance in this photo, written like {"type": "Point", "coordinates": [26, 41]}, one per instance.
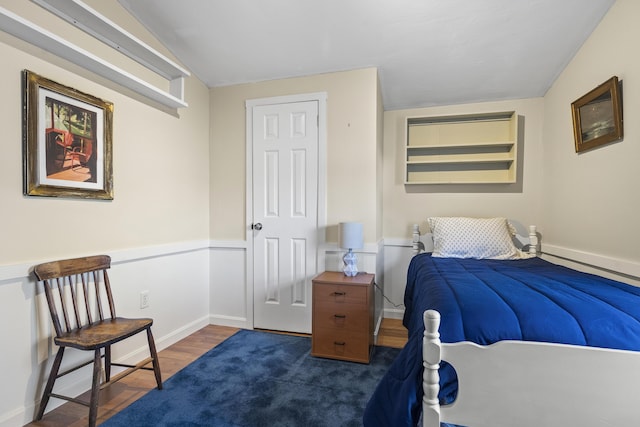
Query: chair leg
{"type": "Point", "coordinates": [154, 356]}
{"type": "Point", "coordinates": [95, 389]}
{"type": "Point", "coordinates": [49, 387]}
{"type": "Point", "coordinates": [107, 363]}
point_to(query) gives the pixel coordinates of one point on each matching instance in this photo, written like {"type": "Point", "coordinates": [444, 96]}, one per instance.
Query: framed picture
{"type": "Point", "coordinates": [597, 116]}
{"type": "Point", "coordinates": [67, 141]}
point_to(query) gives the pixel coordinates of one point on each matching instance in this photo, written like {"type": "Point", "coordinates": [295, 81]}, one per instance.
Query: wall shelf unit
{"type": "Point", "coordinates": [462, 149]}
{"type": "Point", "coordinates": [89, 20]}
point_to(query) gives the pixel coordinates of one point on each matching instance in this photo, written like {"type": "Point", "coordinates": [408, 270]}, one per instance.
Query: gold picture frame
{"type": "Point", "coordinates": [597, 116]}
{"type": "Point", "coordinates": [67, 141]}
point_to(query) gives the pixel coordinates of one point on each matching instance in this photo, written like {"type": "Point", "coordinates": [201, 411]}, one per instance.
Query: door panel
{"type": "Point", "coordinates": [285, 202]}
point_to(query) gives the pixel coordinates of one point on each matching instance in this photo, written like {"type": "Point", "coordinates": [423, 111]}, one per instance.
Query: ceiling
{"type": "Point", "coordinates": [428, 52]}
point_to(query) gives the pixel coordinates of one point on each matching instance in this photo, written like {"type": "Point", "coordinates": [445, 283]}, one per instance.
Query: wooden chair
{"type": "Point", "coordinates": [76, 290]}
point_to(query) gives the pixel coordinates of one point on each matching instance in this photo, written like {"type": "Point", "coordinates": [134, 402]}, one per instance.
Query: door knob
{"type": "Point", "coordinates": [257, 226]}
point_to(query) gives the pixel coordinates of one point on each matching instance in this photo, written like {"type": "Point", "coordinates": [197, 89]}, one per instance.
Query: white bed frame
{"type": "Point", "coordinates": [529, 384]}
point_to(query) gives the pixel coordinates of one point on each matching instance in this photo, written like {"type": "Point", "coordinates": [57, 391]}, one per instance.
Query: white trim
{"type": "Point", "coordinates": [393, 313]}
{"type": "Point", "coordinates": [16, 416]}
{"type": "Point", "coordinates": [376, 329]}
{"type": "Point", "coordinates": [614, 265]}
{"type": "Point", "coordinates": [136, 254]}
{"type": "Point", "coordinates": [228, 244]}
{"type": "Point", "coordinates": [59, 47]}
{"type": "Point", "coordinates": [249, 212]}
{"type": "Point", "coordinates": [321, 98]}
{"type": "Point", "coordinates": [368, 248]}
{"type": "Point", "coordinates": [395, 241]}
{"type": "Point", "coordinates": [165, 341]}
{"type": "Point", "coordinates": [15, 271]}
{"type": "Point", "coordinates": [231, 321]}
{"type": "Point", "coordinates": [22, 270]}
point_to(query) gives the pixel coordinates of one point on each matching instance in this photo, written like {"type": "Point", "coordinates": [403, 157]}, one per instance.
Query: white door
{"type": "Point", "coordinates": [285, 214]}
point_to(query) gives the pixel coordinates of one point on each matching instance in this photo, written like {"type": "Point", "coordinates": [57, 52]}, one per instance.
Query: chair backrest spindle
{"type": "Point", "coordinates": [85, 292]}
{"type": "Point", "coordinates": [96, 284]}
{"type": "Point", "coordinates": [74, 300]}
{"type": "Point", "coordinates": [63, 303]}
{"type": "Point", "coordinates": [48, 285]}
{"type": "Point", "coordinates": [107, 286]}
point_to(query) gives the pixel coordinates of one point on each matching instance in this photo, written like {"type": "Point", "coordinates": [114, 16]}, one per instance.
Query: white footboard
{"type": "Point", "coordinates": [530, 384]}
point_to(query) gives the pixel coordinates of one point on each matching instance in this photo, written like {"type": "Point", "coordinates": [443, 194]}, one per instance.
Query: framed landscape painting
{"type": "Point", "coordinates": [67, 141]}
{"type": "Point", "coordinates": [597, 116]}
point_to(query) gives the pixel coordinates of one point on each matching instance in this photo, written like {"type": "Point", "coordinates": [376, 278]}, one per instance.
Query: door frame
{"type": "Point", "coordinates": [321, 99]}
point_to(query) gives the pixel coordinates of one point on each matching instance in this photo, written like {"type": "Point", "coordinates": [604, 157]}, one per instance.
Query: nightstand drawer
{"type": "Point", "coordinates": [339, 294]}
{"type": "Point", "coordinates": [352, 317]}
{"type": "Point", "coordinates": [339, 344]}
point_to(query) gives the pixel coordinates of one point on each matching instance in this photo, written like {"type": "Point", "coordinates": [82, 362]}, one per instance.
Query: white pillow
{"type": "Point", "coordinates": [480, 238]}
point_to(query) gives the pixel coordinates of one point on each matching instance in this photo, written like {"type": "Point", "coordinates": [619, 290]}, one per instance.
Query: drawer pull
{"type": "Point", "coordinates": [339, 294]}
{"type": "Point", "coordinates": [339, 342]}
{"type": "Point", "coordinates": [340, 316]}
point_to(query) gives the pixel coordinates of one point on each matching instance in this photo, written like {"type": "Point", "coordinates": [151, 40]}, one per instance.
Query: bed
{"type": "Point", "coordinates": [509, 340]}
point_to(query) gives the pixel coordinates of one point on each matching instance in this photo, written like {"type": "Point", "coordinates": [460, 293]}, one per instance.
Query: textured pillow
{"type": "Point", "coordinates": [480, 238]}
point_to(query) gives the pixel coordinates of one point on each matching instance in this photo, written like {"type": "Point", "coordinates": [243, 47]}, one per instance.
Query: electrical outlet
{"type": "Point", "coordinates": [144, 299]}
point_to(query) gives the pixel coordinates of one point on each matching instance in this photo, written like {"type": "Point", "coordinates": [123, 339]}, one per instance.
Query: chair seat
{"type": "Point", "coordinates": [102, 333]}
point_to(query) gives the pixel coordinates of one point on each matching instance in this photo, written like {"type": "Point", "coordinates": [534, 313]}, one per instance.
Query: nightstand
{"type": "Point", "coordinates": [343, 309]}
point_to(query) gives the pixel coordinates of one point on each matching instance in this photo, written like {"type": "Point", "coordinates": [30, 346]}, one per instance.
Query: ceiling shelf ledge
{"type": "Point", "coordinates": [44, 39]}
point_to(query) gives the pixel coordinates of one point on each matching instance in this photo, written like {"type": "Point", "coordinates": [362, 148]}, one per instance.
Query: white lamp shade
{"type": "Point", "coordinates": [350, 234]}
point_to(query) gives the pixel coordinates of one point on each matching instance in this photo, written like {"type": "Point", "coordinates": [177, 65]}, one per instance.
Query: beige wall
{"type": "Point", "coordinates": [161, 169]}
{"type": "Point", "coordinates": [352, 110]}
{"type": "Point", "coordinates": [405, 205]}
{"type": "Point", "coordinates": [156, 228]}
{"type": "Point", "coordinates": [591, 200]}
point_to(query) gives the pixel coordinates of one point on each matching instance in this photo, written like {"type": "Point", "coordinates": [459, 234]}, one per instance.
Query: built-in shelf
{"type": "Point", "coordinates": [92, 22]}
{"type": "Point", "coordinates": [462, 149]}
{"type": "Point", "coordinates": [97, 25]}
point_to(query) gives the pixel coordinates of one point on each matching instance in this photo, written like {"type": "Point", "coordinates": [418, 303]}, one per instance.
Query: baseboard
{"type": "Point", "coordinates": [376, 331]}
{"type": "Point", "coordinates": [132, 357]}
{"type": "Point", "coordinates": [231, 321]}
{"type": "Point", "coordinates": [16, 417]}
{"type": "Point", "coordinates": [393, 313]}
{"type": "Point", "coordinates": [181, 333]}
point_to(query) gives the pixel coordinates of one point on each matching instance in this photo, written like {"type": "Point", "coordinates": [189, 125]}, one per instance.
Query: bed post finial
{"type": "Point", "coordinates": [533, 240]}
{"type": "Point", "coordinates": [431, 356]}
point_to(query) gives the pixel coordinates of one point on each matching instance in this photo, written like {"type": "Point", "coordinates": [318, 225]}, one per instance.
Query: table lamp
{"type": "Point", "coordinates": [350, 234]}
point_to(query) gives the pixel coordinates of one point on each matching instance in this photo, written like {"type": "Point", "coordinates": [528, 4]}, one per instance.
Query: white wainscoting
{"type": "Point", "coordinates": [388, 260]}
{"type": "Point", "coordinates": [228, 281]}
{"type": "Point", "coordinates": [192, 284]}
{"type": "Point", "coordinates": [230, 287]}
{"type": "Point", "coordinates": [617, 269]}
{"type": "Point", "coordinates": [177, 278]}
{"type": "Point", "coordinates": [397, 255]}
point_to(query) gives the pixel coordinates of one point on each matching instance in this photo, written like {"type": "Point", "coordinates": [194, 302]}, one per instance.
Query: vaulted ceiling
{"type": "Point", "coordinates": [428, 52]}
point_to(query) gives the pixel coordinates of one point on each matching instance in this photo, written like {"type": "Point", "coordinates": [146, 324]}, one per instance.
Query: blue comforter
{"type": "Point", "coordinates": [486, 301]}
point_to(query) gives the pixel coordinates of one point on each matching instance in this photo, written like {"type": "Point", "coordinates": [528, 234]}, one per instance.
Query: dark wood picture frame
{"type": "Point", "coordinates": [597, 116]}
{"type": "Point", "coordinates": [67, 141]}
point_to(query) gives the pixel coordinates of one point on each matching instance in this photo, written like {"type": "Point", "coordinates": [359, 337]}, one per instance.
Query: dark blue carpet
{"type": "Point", "coordinates": [258, 379]}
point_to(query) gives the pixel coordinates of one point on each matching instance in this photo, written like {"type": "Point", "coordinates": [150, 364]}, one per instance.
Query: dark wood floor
{"type": "Point", "coordinates": [121, 394]}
